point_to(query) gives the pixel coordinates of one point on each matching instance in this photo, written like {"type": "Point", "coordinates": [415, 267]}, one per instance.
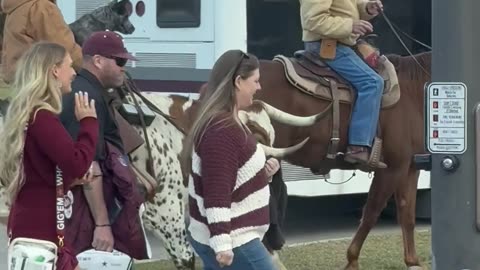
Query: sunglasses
{"type": "Point", "coordinates": [121, 62]}
{"type": "Point", "coordinates": [242, 57]}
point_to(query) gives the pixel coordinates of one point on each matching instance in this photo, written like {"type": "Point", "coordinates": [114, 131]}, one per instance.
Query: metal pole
{"type": "Point", "coordinates": [456, 58]}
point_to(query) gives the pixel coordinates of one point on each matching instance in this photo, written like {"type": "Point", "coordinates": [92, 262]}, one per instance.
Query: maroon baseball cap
{"type": "Point", "coordinates": [107, 44]}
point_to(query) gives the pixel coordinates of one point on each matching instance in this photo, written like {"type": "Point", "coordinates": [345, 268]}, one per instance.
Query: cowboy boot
{"type": "Point", "coordinates": [360, 155]}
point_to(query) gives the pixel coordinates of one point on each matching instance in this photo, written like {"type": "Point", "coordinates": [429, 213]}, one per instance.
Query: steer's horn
{"type": "Point", "coordinates": [290, 119]}
{"type": "Point", "coordinates": [282, 152]}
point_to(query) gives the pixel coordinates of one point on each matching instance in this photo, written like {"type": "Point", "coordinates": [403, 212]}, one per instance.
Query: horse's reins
{"type": "Point", "coordinates": [392, 27]}
{"type": "Point", "coordinates": [133, 91]}
{"type": "Point", "coordinates": [131, 87]}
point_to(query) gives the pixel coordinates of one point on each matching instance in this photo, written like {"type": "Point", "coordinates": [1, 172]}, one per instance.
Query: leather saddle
{"type": "Point", "coordinates": [309, 74]}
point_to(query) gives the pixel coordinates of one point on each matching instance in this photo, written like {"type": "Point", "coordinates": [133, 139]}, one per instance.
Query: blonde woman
{"type": "Point", "coordinates": [228, 186]}
{"type": "Point", "coordinates": [34, 143]}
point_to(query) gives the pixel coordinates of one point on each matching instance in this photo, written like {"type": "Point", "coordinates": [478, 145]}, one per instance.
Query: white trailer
{"type": "Point", "coordinates": [179, 40]}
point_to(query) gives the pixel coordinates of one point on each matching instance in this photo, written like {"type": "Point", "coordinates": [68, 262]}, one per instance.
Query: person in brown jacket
{"type": "Point", "coordinates": [29, 21]}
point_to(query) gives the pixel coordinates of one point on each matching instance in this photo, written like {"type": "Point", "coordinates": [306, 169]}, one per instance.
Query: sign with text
{"type": "Point", "coordinates": [446, 118]}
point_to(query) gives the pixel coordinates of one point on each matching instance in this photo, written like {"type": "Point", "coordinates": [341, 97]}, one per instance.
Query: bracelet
{"type": "Point", "coordinates": [103, 225]}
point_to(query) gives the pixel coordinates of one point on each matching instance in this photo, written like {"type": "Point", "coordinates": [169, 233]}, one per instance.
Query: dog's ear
{"type": "Point", "coordinates": [120, 7]}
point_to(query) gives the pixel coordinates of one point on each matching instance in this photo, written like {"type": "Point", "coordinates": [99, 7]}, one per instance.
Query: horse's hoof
{"type": "Point", "coordinates": [351, 266]}
{"type": "Point", "coordinates": [415, 267]}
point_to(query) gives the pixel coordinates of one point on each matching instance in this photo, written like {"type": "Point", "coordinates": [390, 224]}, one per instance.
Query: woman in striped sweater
{"type": "Point", "coordinates": [228, 185]}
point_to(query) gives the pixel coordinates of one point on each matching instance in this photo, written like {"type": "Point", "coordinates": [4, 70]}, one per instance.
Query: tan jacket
{"type": "Point", "coordinates": [30, 21]}
{"type": "Point", "coordinates": [331, 19]}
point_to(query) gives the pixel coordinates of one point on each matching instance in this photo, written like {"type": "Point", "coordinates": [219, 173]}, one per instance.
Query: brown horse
{"type": "Point", "coordinates": [401, 128]}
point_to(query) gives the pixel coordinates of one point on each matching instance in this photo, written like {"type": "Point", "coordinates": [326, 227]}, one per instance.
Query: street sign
{"type": "Point", "coordinates": [446, 118]}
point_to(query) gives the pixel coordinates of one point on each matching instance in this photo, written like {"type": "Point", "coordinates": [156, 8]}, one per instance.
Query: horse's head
{"type": "Point", "coordinates": [118, 17]}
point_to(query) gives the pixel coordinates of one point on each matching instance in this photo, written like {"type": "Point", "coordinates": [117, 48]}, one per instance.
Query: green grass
{"type": "Point", "coordinates": [380, 252]}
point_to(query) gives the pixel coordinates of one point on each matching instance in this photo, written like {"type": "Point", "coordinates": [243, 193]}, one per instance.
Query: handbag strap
{"type": "Point", "coordinates": [59, 202]}
{"type": "Point", "coordinates": [60, 207]}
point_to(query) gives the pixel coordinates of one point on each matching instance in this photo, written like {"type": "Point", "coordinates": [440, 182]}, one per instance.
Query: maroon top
{"type": "Point", "coordinates": [228, 187]}
{"type": "Point", "coordinates": [47, 145]}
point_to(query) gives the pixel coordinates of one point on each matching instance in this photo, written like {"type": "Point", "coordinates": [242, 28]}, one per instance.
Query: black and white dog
{"type": "Point", "coordinates": [113, 17]}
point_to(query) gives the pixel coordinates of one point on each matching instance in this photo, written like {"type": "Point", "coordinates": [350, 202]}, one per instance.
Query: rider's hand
{"type": "Point", "coordinates": [374, 7]}
{"type": "Point", "coordinates": [103, 239]}
{"type": "Point", "coordinates": [225, 258]}
{"type": "Point", "coordinates": [84, 108]}
{"type": "Point", "coordinates": [361, 27]}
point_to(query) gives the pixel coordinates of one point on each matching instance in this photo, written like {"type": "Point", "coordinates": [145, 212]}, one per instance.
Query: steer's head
{"type": "Point", "coordinates": [258, 118]}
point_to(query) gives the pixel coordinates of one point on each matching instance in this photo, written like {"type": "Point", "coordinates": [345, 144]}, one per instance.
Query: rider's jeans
{"type": "Point", "coordinates": [369, 88]}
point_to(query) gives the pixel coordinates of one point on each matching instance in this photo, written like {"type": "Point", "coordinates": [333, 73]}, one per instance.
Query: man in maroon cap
{"type": "Point", "coordinates": [105, 212]}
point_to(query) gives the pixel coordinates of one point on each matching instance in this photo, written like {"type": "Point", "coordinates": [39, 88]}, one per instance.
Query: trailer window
{"type": "Point", "coordinates": [178, 13]}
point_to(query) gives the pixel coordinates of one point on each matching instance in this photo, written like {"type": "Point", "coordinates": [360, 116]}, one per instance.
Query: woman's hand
{"type": "Point", "coordinates": [272, 166]}
{"type": "Point", "coordinates": [225, 258]}
{"type": "Point", "coordinates": [87, 178]}
{"type": "Point", "coordinates": [84, 108]}
{"type": "Point", "coordinates": [92, 174]}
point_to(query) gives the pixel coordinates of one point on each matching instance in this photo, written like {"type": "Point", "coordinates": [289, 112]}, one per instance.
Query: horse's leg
{"type": "Point", "coordinates": [405, 199]}
{"type": "Point", "coordinates": [383, 185]}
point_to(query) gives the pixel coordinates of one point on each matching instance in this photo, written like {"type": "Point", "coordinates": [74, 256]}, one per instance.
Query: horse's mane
{"type": "Point", "coordinates": [411, 76]}
{"type": "Point", "coordinates": [407, 68]}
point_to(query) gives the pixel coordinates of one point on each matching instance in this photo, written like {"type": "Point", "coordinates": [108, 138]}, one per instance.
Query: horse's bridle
{"type": "Point", "coordinates": [392, 27]}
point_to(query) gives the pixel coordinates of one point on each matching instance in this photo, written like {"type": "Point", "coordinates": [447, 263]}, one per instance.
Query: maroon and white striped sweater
{"type": "Point", "coordinates": [228, 188]}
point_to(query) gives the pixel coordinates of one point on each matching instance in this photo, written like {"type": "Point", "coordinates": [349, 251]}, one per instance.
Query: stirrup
{"type": "Point", "coordinates": [376, 153]}
{"type": "Point", "coordinates": [332, 148]}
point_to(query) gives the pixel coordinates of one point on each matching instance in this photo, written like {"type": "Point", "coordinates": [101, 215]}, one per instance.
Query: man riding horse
{"type": "Point", "coordinates": [330, 30]}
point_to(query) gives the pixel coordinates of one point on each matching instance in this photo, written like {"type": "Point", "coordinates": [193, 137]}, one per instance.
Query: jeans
{"type": "Point", "coordinates": [249, 256]}
{"type": "Point", "coordinates": [369, 89]}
